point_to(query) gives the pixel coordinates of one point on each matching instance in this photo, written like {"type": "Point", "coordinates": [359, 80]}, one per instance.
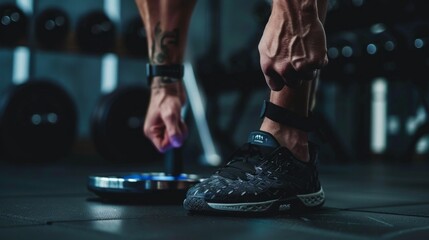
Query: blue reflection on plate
{"type": "Point", "coordinates": [145, 177]}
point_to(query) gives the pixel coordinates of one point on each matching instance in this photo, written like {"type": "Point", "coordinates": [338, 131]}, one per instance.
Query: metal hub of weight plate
{"type": "Point", "coordinates": [117, 126]}
{"type": "Point", "coordinates": [37, 122]}
{"type": "Point", "coordinates": [142, 187]}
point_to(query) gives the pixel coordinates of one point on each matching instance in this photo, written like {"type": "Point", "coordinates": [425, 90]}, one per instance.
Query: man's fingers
{"type": "Point", "coordinates": [274, 80]}
{"type": "Point", "coordinates": [290, 78]}
{"type": "Point", "coordinates": [173, 131]}
{"type": "Point", "coordinates": [156, 136]}
{"type": "Point", "coordinates": [293, 78]}
{"type": "Point", "coordinates": [157, 142]}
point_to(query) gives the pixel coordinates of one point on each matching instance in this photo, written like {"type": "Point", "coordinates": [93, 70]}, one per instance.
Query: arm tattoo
{"type": "Point", "coordinates": [164, 82]}
{"type": "Point", "coordinates": [163, 40]}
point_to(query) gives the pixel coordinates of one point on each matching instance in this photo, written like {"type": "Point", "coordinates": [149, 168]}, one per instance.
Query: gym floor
{"type": "Point", "coordinates": [363, 202]}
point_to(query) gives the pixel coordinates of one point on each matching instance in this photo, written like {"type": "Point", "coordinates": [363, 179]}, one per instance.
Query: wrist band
{"type": "Point", "coordinates": [174, 71]}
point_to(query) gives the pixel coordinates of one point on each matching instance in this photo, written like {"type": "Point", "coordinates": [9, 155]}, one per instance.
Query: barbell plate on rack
{"type": "Point", "coordinates": [117, 126]}
{"type": "Point", "coordinates": [37, 122]}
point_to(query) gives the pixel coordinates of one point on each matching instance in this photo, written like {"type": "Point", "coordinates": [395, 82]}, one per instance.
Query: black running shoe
{"type": "Point", "coordinates": [261, 177]}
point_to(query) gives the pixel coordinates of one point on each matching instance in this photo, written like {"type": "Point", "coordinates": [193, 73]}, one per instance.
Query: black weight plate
{"type": "Point", "coordinates": [117, 126]}
{"type": "Point", "coordinates": [13, 24]}
{"type": "Point", "coordinates": [135, 38]}
{"type": "Point", "coordinates": [37, 122]}
{"type": "Point", "coordinates": [52, 27]}
{"type": "Point", "coordinates": [96, 32]}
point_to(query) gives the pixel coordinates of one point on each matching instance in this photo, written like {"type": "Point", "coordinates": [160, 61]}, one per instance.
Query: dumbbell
{"type": "Point", "coordinates": [383, 51]}
{"type": "Point", "coordinates": [135, 39]}
{"type": "Point", "coordinates": [52, 27]}
{"type": "Point", "coordinates": [13, 24]}
{"type": "Point", "coordinates": [117, 134]}
{"type": "Point", "coordinates": [37, 122]}
{"type": "Point", "coordinates": [95, 32]}
{"type": "Point", "coordinates": [344, 52]}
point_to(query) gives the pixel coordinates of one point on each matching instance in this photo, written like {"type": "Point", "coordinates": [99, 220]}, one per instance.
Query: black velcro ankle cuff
{"type": "Point", "coordinates": [287, 118]}
{"type": "Point", "coordinates": [175, 71]}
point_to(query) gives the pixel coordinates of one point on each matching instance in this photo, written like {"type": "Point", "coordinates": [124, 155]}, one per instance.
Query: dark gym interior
{"type": "Point", "coordinates": [74, 96]}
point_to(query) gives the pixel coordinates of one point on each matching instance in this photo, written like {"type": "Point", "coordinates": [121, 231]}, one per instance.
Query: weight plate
{"type": "Point", "coordinates": [37, 122]}
{"type": "Point", "coordinates": [13, 24]}
{"type": "Point", "coordinates": [135, 39]}
{"type": "Point", "coordinates": [52, 27]}
{"type": "Point", "coordinates": [96, 32]}
{"type": "Point", "coordinates": [117, 126]}
{"type": "Point", "coordinates": [152, 187]}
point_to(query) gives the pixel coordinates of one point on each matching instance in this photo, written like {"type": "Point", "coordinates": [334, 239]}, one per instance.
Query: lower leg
{"type": "Point", "coordinates": [300, 101]}
{"type": "Point", "coordinates": [295, 100]}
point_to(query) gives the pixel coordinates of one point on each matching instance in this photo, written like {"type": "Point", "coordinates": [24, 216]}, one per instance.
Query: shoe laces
{"type": "Point", "coordinates": [242, 162]}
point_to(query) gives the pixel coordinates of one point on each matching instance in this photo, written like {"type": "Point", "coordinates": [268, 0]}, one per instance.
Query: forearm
{"type": "Point", "coordinates": [166, 23]}
{"type": "Point", "coordinates": [297, 13]}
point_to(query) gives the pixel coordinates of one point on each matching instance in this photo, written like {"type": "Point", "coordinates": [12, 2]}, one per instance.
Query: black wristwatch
{"type": "Point", "coordinates": [173, 72]}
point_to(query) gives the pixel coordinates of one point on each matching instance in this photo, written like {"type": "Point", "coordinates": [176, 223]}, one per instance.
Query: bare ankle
{"type": "Point", "coordinates": [294, 139]}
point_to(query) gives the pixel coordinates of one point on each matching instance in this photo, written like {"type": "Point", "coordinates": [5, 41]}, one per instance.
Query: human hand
{"type": "Point", "coordinates": [164, 125]}
{"type": "Point", "coordinates": [293, 45]}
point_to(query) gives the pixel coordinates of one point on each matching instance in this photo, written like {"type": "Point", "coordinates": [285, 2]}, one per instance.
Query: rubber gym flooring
{"type": "Point", "coordinates": [363, 202]}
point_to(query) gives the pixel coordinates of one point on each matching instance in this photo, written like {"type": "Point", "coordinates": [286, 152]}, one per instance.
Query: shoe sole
{"type": "Point", "coordinates": [299, 202]}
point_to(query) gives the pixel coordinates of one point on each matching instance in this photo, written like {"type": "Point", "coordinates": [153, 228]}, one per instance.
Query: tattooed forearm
{"type": "Point", "coordinates": [163, 42]}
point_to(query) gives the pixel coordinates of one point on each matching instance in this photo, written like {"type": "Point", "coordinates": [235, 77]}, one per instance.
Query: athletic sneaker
{"type": "Point", "coordinates": [261, 176]}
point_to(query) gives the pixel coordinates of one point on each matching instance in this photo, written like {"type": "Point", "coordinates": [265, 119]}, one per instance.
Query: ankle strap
{"type": "Point", "coordinates": [288, 118]}
{"type": "Point", "coordinates": [174, 71]}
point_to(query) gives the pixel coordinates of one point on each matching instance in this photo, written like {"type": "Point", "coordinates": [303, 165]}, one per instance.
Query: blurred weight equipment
{"type": "Point", "coordinates": [135, 38]}
{"type": "Point", "coordinates": [13, 24]}
{"type": "Point", "coordinates": [37, 122]}
{"type": "Point", "coordinates": [383, 51]}
{"type": "Point", "coordinates": [419, 51]}
{"type": "Point", "coordinates": [419, 69]}
{"type": "Point", "coordinates": [52, 27]}
{"type": "Point", "coordinates": [95, 32]}
{"type": "Point", "coordinates": [117, 126]}
{"type": "Point", "coordinates": [344, 52]}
